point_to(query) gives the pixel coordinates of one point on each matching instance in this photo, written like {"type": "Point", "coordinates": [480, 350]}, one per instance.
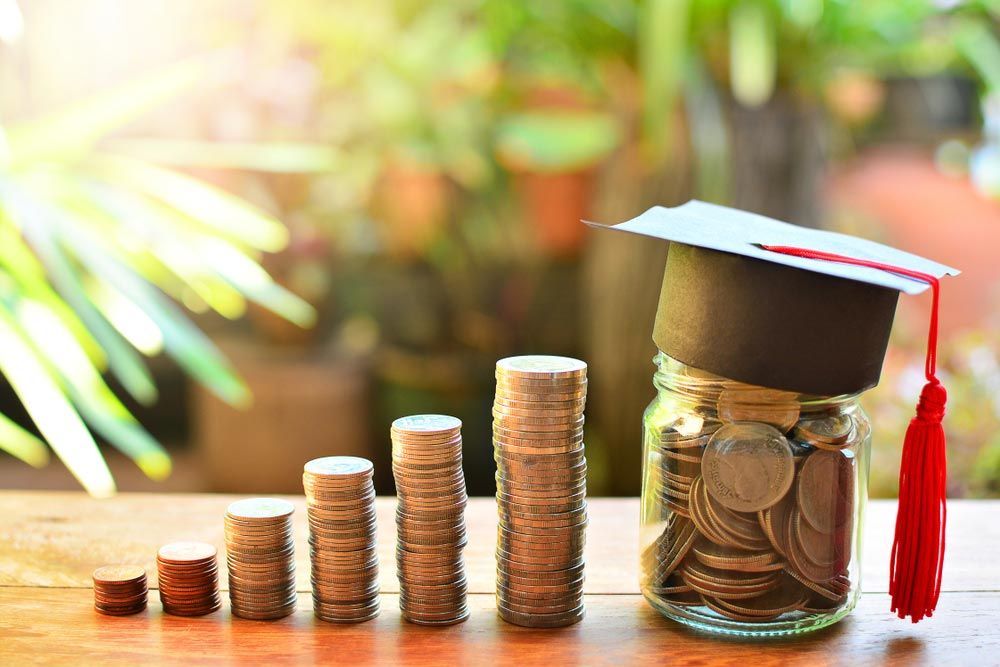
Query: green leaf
{"type": "Point", "coordinates": [69, 134]}
{"type": "Point", "coordinates": [49, 408]}
{"type": "Point", "coordinates": [25, 269]}
{"type": "Point", "coordinates": [182, 340]}
{"type": "Point", "coordinates": [279, 156]}
{"type": "Point", "coordinates": [87, 390]}
{"type": "Point", "coordinates": [19, 443]}
{"type": "Point", "coordinates": [210, 206]}
{"type": "Point", "coordinates": [556, 141]}
{"type": "Point", "coordinates": [753, 65]}
{"type": "Point", "coordinates": [170, 236]}
{"type": "Point", "coordinates": [253, 281]}
{"type": "Point", "coordinates": [35, 222]}
{"type": "Point", "coordinates": [976, 41]}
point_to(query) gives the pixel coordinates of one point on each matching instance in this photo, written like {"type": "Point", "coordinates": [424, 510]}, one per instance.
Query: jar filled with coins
{"type": "Point", "coordinates": [752, 503]}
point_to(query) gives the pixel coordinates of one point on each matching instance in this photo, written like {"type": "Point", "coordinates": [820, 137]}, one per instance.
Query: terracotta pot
{"type": "Point", "coordinates": [554, 204]}
{"type": "Point", "coordinates": [413, 204]}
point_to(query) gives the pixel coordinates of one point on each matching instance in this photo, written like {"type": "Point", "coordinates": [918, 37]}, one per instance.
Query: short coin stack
{"type": "Point", "coordinates": [260, 552]}
{"type": "Point", "coordinates": [541, 489]}
{"type": "Point", "coordinates": [188, 577]}
{"type": "Point", "coordinates": [340, 499]}
{"type": "Point", "coordinates": [430, 518]}
{"type": "Point", "coordinates": [120, 590]}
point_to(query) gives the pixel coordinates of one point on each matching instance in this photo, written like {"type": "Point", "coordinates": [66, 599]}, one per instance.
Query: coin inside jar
{"type": "Point", "coordinates": [748, 466]}
{"type": "Point", "coordinates": [826, 489]}
{"type": "Point", "coordinates": [758, 404]}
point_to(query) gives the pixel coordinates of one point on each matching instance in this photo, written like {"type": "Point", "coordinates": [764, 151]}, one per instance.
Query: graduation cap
{"type": "Point", "coordinates": [764, 302]}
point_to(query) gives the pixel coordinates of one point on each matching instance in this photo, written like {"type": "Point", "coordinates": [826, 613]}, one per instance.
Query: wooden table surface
{"type": "Point", "coordinates": [51, 542]}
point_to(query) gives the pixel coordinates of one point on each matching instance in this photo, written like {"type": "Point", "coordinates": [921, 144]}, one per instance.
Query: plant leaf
{"type": "Point", "coordinates": [35, 223]}
{"type": "Point", "coordinates": [92, 397]}
{"type": "Point", "coordinates": [49, 408]}
{"type": "Point", "coordinates": [170, 235]}
{"type": "Point", "coordinates": [181, 339]}
{"type": "Point", "coordinates": [210, 206]}
{"type": "Point", "coordinates": [253, 281]}
{"type": "Point", "coordinates": [25, 269]}
{"type": "Point", "coordinates": [19, 443]}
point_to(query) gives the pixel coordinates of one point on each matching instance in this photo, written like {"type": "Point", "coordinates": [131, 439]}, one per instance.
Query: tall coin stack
{"type": "Point", "coordinates": [120, 590]}
{"type": "Point", "coordinates": [260, 552]}
{"type": "Point", "coordinates": [340, 502]}
{"type": "Point", "coordinates": [430, 518]}
{"type": "Point", "coordinates": [541, 489]}
{"type": "Point", "coordinates": [188, 577]}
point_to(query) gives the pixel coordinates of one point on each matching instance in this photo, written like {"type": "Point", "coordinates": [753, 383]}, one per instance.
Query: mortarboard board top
{"type": "Point", "coordinates": [715, 227]}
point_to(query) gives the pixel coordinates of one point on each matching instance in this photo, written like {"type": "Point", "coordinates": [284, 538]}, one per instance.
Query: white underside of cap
{"type": "Point", "coordinates": [731, 230]}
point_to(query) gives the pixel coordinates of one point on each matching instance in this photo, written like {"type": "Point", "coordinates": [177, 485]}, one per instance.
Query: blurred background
{"type": "Point", "coordinates": [431, 162]}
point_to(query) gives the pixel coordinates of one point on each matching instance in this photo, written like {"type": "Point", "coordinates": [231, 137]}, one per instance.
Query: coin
{"type": "Point", "coordinates": [260, 553]}
{"type": "Point", "coordinates": [188, 578]}
{"type": "Point", "coordinates": [831, 432]}
{"type": "Point", "coordinates": [430, 519]}
{"type": "Point", "coordinates": [758, 404]}
{"type": "Point", "coordinates": [748, 466]}
{"type": "Point", "coordinates": [541, 489]}
{"type": "Point", "coordinates": [119, 590]}
{"type": "Point", "coordinates": [826, 489]}
{"type": "Point", "coordinates": [343, 555]}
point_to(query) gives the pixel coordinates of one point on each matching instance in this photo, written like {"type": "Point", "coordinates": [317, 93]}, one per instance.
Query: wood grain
{"type": "Point", "coordinates": [50, 543]}
{"type": "Point", "coordinates": [52, 626]}
{"type": "Point", "coordinates": [58, 539]}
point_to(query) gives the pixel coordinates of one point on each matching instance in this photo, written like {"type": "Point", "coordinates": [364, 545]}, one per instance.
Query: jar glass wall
{"type": "Point", "coordinates": [752, 504]}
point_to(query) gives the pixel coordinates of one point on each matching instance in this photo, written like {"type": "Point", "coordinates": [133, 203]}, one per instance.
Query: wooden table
{"type": "Point", "coordinates": [51, 542]}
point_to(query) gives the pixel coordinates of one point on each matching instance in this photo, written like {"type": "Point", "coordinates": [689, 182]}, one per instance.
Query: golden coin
{"type": "Point", "coordinates": [826, 489]}
{"type": "Point", "coordinates": [774, 520]}
{"type": "Point", "coordinates": [768, 406]}
{"type": "Point", "coordinates": [255, 509]}
{"type": "Point", "coordinates": [798, 561]}
{"type": "Point", "coordinates": [739, 560]}
{"type": "Point", "coordinates": [119, 575]}
{"type": "Point", "coordinates": [748, 466]}
{"type": "Point", "coordinates": [830, 431]}
{"type": "Point", "coordinates": [541, 366]}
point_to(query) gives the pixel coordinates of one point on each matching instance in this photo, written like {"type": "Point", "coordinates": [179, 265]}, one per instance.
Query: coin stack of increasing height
{"type": "Point", "coordinates": [430, 518]}
{"type": "Point", "coordinates": [340, 498]}
{"type": "Point", "coordinates": [541, 489]}
{"type": "Point", "coordinates": [188, 577]}
{"type": "Point", "coordinates": [260, 552]}
{"type": "Point", "coordinates": [120, 590]}
{"type": "Point", "coordinates": [758, 501]}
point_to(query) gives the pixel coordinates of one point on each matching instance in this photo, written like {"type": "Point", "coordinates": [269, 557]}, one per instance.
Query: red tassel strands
{"type": "Point", "coordinates": [918, 547]}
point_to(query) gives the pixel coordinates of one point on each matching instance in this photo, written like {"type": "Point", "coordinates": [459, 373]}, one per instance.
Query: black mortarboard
{"type": "Point", "coordinates": [731, 307]}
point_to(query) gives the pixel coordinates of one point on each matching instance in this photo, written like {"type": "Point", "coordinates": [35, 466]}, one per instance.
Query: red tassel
{"type": "Point", "coordinates": [917, 560]}
{"type": "Point", "coordinates": [918, 548]}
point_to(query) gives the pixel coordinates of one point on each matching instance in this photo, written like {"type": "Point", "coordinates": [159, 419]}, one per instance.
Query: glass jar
{"type": "Point", "coordinates": [752, 504]}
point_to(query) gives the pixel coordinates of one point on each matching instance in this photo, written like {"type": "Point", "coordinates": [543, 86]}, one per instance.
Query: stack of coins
{"type": "Point", "coordinates": [120, 590]}
{"type": "Point", "coordinates": [188, 577]}
{"type": "Point", "coordinates": [430, 518]}
{"type": "Point", "coordinates": [541, 489]}
{"type": "Point", "coordinates": [260, 552]}
{"type": "Point", "coordinates": [756, 495]}
{"type": "Point", "coordinates": [340, 498]}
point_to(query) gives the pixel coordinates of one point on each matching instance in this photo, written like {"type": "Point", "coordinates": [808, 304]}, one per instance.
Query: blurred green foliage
{"type": "Point", "coordinates": [93, 243]}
